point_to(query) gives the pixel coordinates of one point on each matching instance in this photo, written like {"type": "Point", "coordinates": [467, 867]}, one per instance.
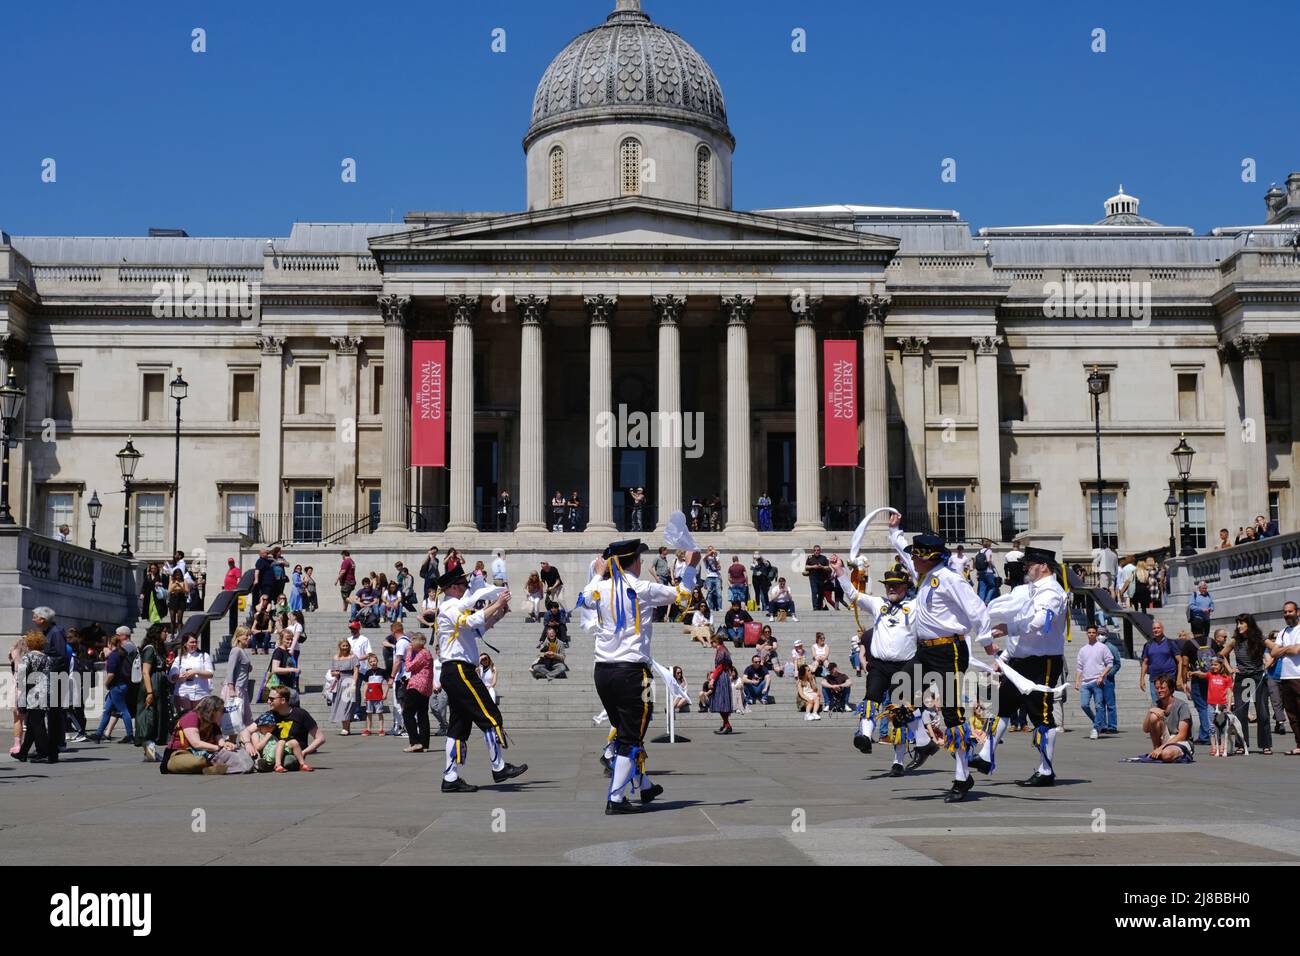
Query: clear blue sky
{"type": "Point", "coordinates": [248, 137]}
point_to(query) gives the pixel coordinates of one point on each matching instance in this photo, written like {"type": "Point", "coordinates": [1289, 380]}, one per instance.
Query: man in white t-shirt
{"type": "Point", "coordinates": [958, 560]}
{"type": "Point", "coordinates": [1124, 581]}
{"type": "Point", "coordinates": [1285, 649]}
{"type": "Point", "coordinates": [360, 645]}
{"type": "Point", "coordinates": [401, 651]}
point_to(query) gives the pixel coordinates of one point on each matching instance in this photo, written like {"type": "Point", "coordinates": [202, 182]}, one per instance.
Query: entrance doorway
{"type": "Point", "coordinates": [780, 478]}
{"type": "Point", "coordinates": [487, 475]}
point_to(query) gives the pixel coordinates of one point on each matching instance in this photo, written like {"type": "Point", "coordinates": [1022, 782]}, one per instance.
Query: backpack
{"type": "Point", "coordinates": [981, 562]}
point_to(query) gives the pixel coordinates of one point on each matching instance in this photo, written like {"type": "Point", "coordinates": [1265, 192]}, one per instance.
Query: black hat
{"type": "Point", "coordinates": [625, 550]}
{"type": "Point", "coordinates": [1039, 556]}
{"type": "Point", "coordinates": [896, 576]}
{"type": "Point", "coordinates": [928, 546]}
{"type": "Point", "coordinates": [452, 578]}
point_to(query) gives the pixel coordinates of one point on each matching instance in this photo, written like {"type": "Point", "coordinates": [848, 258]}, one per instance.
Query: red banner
{"type": "Point", "coordinates": [429, 403]}
{"type": "Point", "coordinates": [840, 401]}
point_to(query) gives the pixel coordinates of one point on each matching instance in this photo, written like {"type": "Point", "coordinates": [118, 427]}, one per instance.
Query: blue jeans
{"type": "Point", "coordinates": [1090, 694]}
{"type": "Point", "coordinates": [855, 657]}
{"type": "Point", "coordinates": [713, 593]}
{"type": "Point", "coordinates": [368, 616]}
{"type": "Point", "coordinates": [752, 693]}
{"type": "Point", "coordinates": [115, 703]}
{"type": "Point", "coordinates": [738, 592]}
{"type": "Point", "coordinates": [987, 586]}
{"type": "Point", "coordinates": [760, 595]}
{"type": "Point", "coordinates": [1108, 704]}
{"type": "Point", "coordinates": [835, 698]}
{"type": "Point", "coordinates": [1198, 699]}
{"type": "Point", "coordinates": [735, 634]}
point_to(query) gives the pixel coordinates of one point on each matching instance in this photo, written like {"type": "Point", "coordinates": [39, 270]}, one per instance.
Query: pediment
{"type": "Point", "coordinates": [635, 223]}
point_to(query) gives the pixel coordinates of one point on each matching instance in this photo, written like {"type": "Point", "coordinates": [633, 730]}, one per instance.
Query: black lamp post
{"type": "Point", "coordinates": [179, 388]}
{"type": "Point", "coordinates": [96, 508]}
{"type": "Point", "coordinates": [1097, 384]}
{"type": "Point", "coordinates": [127, 459]}
{"type": "Point", "coordinates": [1171, 509]}
{"type": "Point", "coordinates": [11, 403]}
{"type": "Point", "coordinates": [1183, 454]}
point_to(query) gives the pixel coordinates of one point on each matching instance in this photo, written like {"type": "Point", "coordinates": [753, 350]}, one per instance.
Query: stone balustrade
{"type": "Point", "coordinates": [1253, 578]}
{"type": "Point", "coordinates": [81, 585]}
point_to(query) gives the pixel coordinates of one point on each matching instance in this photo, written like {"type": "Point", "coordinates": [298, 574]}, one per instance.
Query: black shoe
{"type": "Point", "coordinates": [127, 740]}
{"type": "Point", "coordinates": [623, 806]}
{"type": "Point", "coordinates": [862, 742]}
{"type": "Point", "coordinates": [921, 754]}
{"type": "Point", "coordinates": [980, 764]}
{"type": "Point", "coordinates": [957, 793]}
{"type": "Point", "coordinates": [1037, 779]}
{"type": "Point", "coordinates": [51, 759]}
{"type": "Point", "coordinates": [606, 762]}
{"type": "Point", "coordinates": [648, 795]}
{"type": "Point", "coordinates": [95, 738]}
{"type": "Point", "coordinates": [896, 770]}
{"type": "Point", "coordinates": [508, 772]}
{"type": "Point", "coordinates": [20, 757]}
{"type": "Point", "coordinates": [458, 786]}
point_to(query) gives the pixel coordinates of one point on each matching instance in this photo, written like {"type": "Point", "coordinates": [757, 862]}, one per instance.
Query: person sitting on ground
{"type": "Point", "coordinates": [551, 664]}
{"type": "Point", "coordinates": [271, 748]}
{"type": "Point", "coordinates": [779, 601]}
{"type": "Point", "coordinates": [197, 745]}
{"type": "Point", "coordinates": [1169, 722]}
{"type": "Point", "coordinates": [809, 696]}
{"type": "Point", "coordinates": [701, 626]}
{"type": "Point", "coordinates": [734, 623]}
{"type": "Point", "coordinates": [291, 723]}
{"type": "Point", "coordinates": [756, 682]}
{"type": "Point", "coordinates": [836, 686]}
{"type": "Point", "coordinates": [557, 617]}
{"type": "Point", "coordinates": [392, 603]}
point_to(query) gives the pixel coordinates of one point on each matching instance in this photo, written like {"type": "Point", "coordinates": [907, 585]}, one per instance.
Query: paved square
{"type": "Point", "coordinates": [761, 796]}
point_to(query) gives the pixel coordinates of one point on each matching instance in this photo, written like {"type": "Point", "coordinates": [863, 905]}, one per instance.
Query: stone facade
{"type": "Point", "coordinates": [975, 351]}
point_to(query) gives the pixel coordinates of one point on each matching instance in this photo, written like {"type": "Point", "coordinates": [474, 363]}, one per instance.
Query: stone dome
{"type": "Point", "coordinates": [628, 67]}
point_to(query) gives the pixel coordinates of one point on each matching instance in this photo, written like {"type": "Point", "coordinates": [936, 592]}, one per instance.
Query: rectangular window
{"type": "Point", "coordinates": [243, 397]}
{"type": "Point", "coordinates": [309, 391]}
{"type": "Point", "coordinates": [1015, 514]}
{"type": "Point", "coordinates": [63, 396]}
{"type": "Point", "coordinates": [373, 496]}
{"type": "Point", "coordinates": [59, 508]}
{"type": "Point", "coordinates": [1187, 405]}
{"type": "Point", "coordinates": [377, 392]}
{"type": "Point", "coordinates": [1275, 508]}
{"type": "Point", "coordinates": [150, 522]}
{"type": "Point", "coordinates": [952, 514]}
{"type": "Point", "coordinates": [151, 407]}
{"type": "Point", "coordinates": [1109, 519]}
{"type": "Point", "coordinates": [308, 507]}
{"type": "Point", "coordinates": [949, 390]}
{"type": "Point", "coordinates": [1270, 394]}
{"type": "Point", "coordinates": [1011, 397]}
{"type": "Point", "coordinates": [1197, 531]}
{"type": "Point", "coordinates": [240, 512]}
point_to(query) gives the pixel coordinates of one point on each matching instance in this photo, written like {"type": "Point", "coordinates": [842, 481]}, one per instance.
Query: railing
{"type": "Point", "coordinates": [1250, 578]}
{"type": "Point", "coordinates": [298, 529]}
{"type": "Point", "coordinates": [427, 519]}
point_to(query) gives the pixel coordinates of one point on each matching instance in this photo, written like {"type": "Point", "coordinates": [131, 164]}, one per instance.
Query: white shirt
{"type": "Point", "coordinates": [1106, 561]}
{"type": "Point", "coordinates": [1288, 637]}
{"type": "Point", "coordinates": [1093, 661]}
{"type": "Point", "coordinates": [499, 569]}
{"type": "Point", "coordinates": [630, 644]}
{"type": "Point", "coordinates": [400, 653]}
{"type": "Point", "coordinates": [821, 653]}
{"type": "Point", "coordinates": [893, 635]}
{"type": "Point", "coordinates": [1044, 633]}
{"type": "Point", "coordinates": [459, 628]}
{"type": "Point", "coordinates": [945, 603]}
{"type": "Point", "coordinates": [195, 688]}
{"type": "Point", "coordinates": [360, 647]}
{"type": "Point", "coordinates": [1125, 576]}
{"type": "Point", "coordinates": [958, 562]}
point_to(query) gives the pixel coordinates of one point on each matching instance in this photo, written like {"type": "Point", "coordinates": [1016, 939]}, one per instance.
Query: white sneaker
{"type": "Point", "coordinates": [79, 738]}
{"type": "Point", "coordinates": [808, 717]}
{"type": "Point", "coordinates": [816, 716]}
{"type": "Point", "coordinates": [793, 618]}
{"type": "Point", "coordinates": [1093, 735]}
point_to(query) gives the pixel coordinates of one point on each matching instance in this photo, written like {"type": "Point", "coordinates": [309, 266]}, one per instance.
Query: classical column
{"type": "Point", "coordinates": [807, 399]}
{"type": "Point", "coordinates": [914, 420]}
{"type": "Point", "coordinates": [531, 496]}
{"type": "Point", "coordinates": [394, 489]}
{"type": "Point", "coordinates": [463, 310]}
{"type": "Point", "coordinates": [875, 432]}
{"type": "Point", "coordinates": [600, 451]}
{"type": "Point", "coordinates": [669, 309]}
{"type": "Point", "coordinates": [990, 441]}
{"type": "Point", "coordinates": [345, 457]}
{"type": "Point", "coordinates": [738, 309]}
{"type": "Point", "coordinates": [270, 450]}
{"type": "Point", "coordinates": [1250, 346]}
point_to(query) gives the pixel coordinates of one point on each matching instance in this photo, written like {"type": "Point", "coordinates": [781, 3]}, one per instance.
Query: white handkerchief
{"type": "Point", "coordinates": [677, 535]}
{"type": "Point", "coordinates": [856, 543]}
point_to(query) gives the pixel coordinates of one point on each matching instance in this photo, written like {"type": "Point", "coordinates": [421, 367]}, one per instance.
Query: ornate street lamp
{"type": "Point", "coordinates": [1183, 455]}
{"type": "Point", "coordinates": [11, 403]}
{"type": "Point", "coordinates": [179, 388]}
{"type": "Point", "coordinates": [127, 459]}
{"type": "Point", "coordinates": [1171, 509]}
{"type": "Point", "coordinates": [96, 508]}
{"type": "Point", "coordinates": [1097, 385]}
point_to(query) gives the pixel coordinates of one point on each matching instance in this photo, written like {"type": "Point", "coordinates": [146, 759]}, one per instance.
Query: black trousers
{"type": "Point", "coordinates": [624, 691]}
{"type": "Point", "coordinates": [880, 679]}
{"type": "Point", "coordinates": [469, 703]}
{"type": "Point", "coordinates": [34, 735]}
{"type": "Point", "coordinates": [1043, 669]}
{"type": "Point", "coordinates": [415, 707]}
{"type": "Point", "coordinates": [943, 660]}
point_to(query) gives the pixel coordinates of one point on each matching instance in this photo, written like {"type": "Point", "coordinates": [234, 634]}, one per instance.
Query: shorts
{"type": "Point", "coordinates": [1188, 752]}
{"type": "Point", "coordinates": [345, 590]}
{"type": "Point", "coordinates": [374, 707]}
{"type": "Point", "coordinates": [1105, 579]}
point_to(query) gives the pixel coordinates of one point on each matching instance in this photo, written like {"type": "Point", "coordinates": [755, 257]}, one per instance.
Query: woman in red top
{"type": "Point", "coordinates": [419, 688]}
{"type": "Point", "coordinates": [719, 684]}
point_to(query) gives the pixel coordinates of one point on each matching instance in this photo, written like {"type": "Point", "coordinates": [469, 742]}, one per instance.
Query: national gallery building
{"type": "Point", "coordinates": [386, 382]}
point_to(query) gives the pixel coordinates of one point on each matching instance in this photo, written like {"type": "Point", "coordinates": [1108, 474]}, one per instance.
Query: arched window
{"type": "Point", "coordinates": [629, 155]}
{"type": "Point", "coordinates": [703, 169]}
{"type": "Point", "coordinates": [557, 175]}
